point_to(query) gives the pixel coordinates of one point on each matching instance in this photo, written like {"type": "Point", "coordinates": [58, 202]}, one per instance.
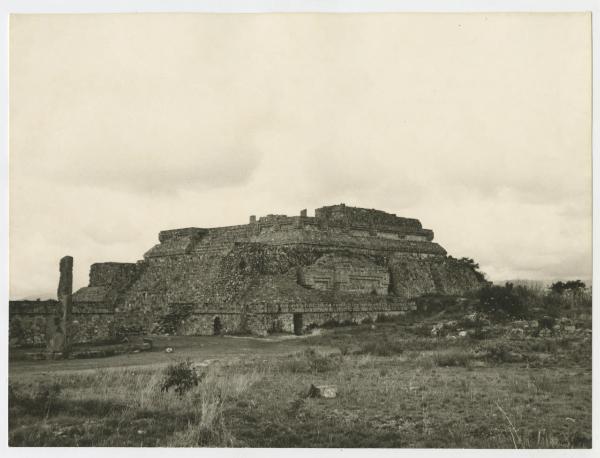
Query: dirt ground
{"type": "Point", "coordinates": [196, 348]}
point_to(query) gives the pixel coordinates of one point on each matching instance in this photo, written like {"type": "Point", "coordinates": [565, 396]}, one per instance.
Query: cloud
{"type": "Point", "coordinates": [118, 133]}
{"type": "Point", "coordinates": [167, 174]}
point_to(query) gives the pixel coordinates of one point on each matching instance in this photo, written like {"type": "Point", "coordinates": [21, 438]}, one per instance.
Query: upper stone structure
{"type": "Point", "coordinates": [275, 273]}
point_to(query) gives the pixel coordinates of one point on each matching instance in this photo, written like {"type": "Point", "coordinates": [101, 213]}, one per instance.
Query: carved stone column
{"type": "Point", "coordinates": [59, 341]}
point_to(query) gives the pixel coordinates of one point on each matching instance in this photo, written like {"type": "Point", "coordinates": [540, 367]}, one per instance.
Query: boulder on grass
{"type": "Point", "coordinates": [322, 391]}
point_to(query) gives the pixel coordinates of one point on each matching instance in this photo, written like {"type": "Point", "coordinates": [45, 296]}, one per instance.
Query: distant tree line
{"type": "Point", "coordinates": [521, 302]}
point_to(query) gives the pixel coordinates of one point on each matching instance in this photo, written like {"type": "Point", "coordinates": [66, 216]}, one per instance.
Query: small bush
{"type": "Point", "coordinates": [383, 347]}
{"type": "Point", "coordinates": [479, 333]}
{"type": "Point", "coordinates": [329, 324]}
{"type": "Point", "coordinates": [423, 330]}
{"type": "Point", "coordinates": [547, 322]}
{"type": "Point", "coordinates": [542, 345]}
{"type": "Point", "coordinates": [453, 357]}
{"type": "Point", "coordinates": [504, 301]}
{"type": "Point", "coordinates": [559, 287]}
{"type": "Point", "coordinates": [433, 303]}
{"type": "Point", "coordinates": [322, 363]}
{"type": "Point", "coordinates": [182, 376]}
{"type": "Point", "coordinates": [385, 318]}
{"type": "Point", "coordinates": [552, 305]}
{"type": "Point", "coordinates": [47, 395]}
{"type": "Point", "coordinates": [312, 361]}
{"type": "Point", "coordinates": [344, 350]}
{"type": "Point", "coordinates": [500, 352]}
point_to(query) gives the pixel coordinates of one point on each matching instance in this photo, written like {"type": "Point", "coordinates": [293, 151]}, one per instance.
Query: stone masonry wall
{"type": "Point", "coordinates": [32, 323]}
{"type": "Point", "coordinates": [258, 276]}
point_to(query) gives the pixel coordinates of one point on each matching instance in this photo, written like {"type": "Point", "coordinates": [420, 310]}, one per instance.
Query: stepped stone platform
{"type": "Point", "coordinates": [275, 274]}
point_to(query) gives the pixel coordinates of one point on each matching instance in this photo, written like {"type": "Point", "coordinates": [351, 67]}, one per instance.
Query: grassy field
{"type": "Point", "coordinates": [397, 387]}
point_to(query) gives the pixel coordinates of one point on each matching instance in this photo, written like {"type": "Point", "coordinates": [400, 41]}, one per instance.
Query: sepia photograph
{"type": "Point", "coordinates": [309, 229]}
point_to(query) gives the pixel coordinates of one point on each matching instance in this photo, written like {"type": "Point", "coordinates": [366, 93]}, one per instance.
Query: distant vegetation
{"type": "Point", "coordinates": [471, 264]}
{"type": "Point", "coordinates": [510, 301]}
{"type": "Point", "coordinates": [576, 286]}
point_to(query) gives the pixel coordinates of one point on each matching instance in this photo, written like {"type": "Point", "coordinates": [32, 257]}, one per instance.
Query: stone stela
{"type": "Point", "coordinates": [58, 342]}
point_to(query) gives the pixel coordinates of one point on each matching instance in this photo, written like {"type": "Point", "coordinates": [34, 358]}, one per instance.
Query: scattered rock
{"type": "Point", "coordinates": [436, 330]}
{"type": "Point", "coordinates": [462, 334]}
{"type": "Point", "coordinates": [569, 328]}
{"type": "Point", "coordinates": [322, 391]}
{"type": "Point", "coordinates": [516, 332]}
{"type": "Point", "coordinates": [471, 318]}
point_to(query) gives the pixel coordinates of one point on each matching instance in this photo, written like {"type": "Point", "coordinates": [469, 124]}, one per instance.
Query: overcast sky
{"type": "Point", "coordinates": [124, 125]}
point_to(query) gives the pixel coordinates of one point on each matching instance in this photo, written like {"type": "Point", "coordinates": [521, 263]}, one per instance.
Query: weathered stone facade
{"type": "Point", "coordinates": [277, 273]}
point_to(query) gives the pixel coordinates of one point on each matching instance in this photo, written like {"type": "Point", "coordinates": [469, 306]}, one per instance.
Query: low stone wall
{"type": "Point", "coordinates": [91, 327]}
{"type": "Point", "coordinates": [32, 323]}
{"type": "Point", "coordinates": [210, 324]}
{"type": "Point", "coordinates": [265, 323]}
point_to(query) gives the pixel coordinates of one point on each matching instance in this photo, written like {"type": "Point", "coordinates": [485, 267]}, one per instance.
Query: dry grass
{"type": "Point", "coordinates": [426, 393]}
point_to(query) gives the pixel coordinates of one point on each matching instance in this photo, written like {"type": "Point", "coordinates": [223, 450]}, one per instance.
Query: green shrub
{"type": "Point", "coordinates": [559, 287]}
{"type": "Point", "coordinates": [553, 304]}
{"type": "Point", "coordinates": [504, 301]}
{"type": "Point", "coordinates": [480, 333]}
{"type": "Point", "coordinates": [322, 363]}
{"type": "Point", "coordinates": [547, 322]}
{"type": "Point", "coordinates": [344, 350]}
{"type": "Point", "coordinates": [337, 324]}
{"type": "Point", "coordinates": [542, 345]}
{"type": "Point", "coordinates": [433, 303]}
{"type": "Point", "coordinates": [16, 329]}
{"type": "Point", "coordinates": [469, 264]}
{"type": "Point", "coordinates": [501, 352]}
{"type": "Point", "coordinates": [46, 396]}
{"type": "Point", "coordinates": [385, 318]}
{"type": "Point", "coordinates": [383, 347]}
{"type": "Point", "coordinates": [423, 330]}
{"type": "Point", "coordinates": [311, 361]}
{"type": "Point", "coordinates": [454, 357]}
{"type": "Point", "coordinates": [182, 376]}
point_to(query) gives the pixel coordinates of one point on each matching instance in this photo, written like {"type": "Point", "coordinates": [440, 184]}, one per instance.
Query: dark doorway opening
{"type": "Point", "coordinates": [298, 324]}
{"type": "Point", "coordinates": [217, 326]}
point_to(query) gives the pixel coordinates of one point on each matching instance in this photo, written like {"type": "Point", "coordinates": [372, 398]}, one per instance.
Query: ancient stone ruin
{"type": "Point", "coordinates": [275, 274]}
{"type": "Point", "coordinates": [58, 341]}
